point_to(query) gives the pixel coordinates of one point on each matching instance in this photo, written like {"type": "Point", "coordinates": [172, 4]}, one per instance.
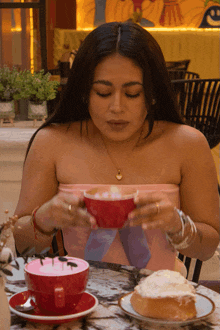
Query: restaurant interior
{"type": "Point", "coordinates": [46, 34]}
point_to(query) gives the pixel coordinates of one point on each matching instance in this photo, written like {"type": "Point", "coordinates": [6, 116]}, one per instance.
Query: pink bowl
{"type": "Point", "coordinates": [111, 206]}
{"type": "Point", "coordinates": [57, 287]}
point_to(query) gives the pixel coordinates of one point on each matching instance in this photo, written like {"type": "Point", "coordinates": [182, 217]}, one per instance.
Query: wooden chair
{"type": "Point", "coordinates": [199, 104]}
{"type": "Point", "coordinates": [182, 74]}
{"type": "Point", "coordinates": [178, 65]}
{"type": "Point", "coordinates": [197, 268]}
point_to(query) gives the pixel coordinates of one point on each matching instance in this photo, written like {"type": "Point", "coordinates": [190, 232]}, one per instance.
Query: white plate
{"type": "Point", "coordinates": [204, 307]}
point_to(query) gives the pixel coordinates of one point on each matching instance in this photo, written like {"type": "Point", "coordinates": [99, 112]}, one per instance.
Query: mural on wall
{"type": "Point", "coordinates": [150, 13]}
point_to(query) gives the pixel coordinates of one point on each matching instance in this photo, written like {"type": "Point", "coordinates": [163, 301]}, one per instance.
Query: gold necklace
{"type": "Point", "coordinates": [119, 175]}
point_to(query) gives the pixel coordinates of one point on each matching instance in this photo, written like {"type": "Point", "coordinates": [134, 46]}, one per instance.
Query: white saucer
{"type": "Point", "coordinates": [204, 307]}
{"type": "Point", "coordinates": [86, 305]}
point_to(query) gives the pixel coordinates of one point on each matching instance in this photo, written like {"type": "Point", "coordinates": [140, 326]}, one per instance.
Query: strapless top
{"type": "Point", "coordinates": [163, 255]}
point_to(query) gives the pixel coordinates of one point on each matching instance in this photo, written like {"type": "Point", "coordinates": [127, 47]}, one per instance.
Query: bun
{"type": "Point", "coordinates": [166, 295]}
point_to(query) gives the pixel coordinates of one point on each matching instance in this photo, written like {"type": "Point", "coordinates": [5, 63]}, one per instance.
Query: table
{"type": "Point", "coordinates": [108, 282]}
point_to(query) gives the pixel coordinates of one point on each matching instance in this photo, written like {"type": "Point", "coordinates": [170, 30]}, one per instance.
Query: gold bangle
{"type": "Point", "coordinates": [36, 227]}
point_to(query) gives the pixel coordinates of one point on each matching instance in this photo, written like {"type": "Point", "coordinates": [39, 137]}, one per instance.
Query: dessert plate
{"type": "Point", "coordinates": [204, 307]}
{"type": "Point", "coordinates": [86, 305]}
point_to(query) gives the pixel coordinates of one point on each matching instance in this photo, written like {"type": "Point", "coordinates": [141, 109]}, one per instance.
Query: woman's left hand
{"type": "Point", "coordinates": [155, 211]}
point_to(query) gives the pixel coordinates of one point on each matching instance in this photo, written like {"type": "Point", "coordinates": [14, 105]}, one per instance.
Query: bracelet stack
{"type": "Point", "coordinates": [37, 229]}
{"type": "Point", "coordinates": [184, 238]}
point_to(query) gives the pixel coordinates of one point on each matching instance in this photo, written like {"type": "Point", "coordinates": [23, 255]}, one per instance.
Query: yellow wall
{"type": "Point", "coordinates": [201, 46]}
{"type": "Point", "coordinates": [167, 13]}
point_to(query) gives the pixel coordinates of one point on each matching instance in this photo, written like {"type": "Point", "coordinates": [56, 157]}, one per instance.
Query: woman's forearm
{"type": "Point", "coordinates": [205, 243]}
{"type": "Point", "coordinates": [25, 236]}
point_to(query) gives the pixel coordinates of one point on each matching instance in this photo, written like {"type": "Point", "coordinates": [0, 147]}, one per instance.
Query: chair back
{"type": "Point", "coordinates": [199, 104]}
{"type": "Point", "coordinates": [178, 65]}
{"type": "Point", "coordinates": [195, 273]}
{"type": "Point", "coordinates": [182, 74]}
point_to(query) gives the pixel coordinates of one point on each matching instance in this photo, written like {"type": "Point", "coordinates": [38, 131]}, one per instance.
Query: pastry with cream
{"type": "Point", "coordinates": [166, 295]}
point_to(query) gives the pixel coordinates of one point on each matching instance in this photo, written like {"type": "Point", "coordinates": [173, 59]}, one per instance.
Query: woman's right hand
{"type": "Point", "coordinates": [64, 210]}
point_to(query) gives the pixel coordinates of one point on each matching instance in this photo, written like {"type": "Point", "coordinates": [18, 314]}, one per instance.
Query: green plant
{"type": "Point", "coordinates": [10, 83]}
{"type": "Point", "coordinates": [37, 87]}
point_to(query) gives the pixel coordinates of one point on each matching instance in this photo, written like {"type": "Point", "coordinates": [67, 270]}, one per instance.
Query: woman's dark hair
{"type": "Point", "coordinates": [129, 40]}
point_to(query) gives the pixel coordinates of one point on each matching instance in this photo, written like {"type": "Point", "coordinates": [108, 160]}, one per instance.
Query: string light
{"type": "Point", "coordinates": [167, 29]}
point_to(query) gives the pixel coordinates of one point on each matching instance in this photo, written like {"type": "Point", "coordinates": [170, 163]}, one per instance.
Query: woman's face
{"type": "Point", "coordinates": [117, 103]}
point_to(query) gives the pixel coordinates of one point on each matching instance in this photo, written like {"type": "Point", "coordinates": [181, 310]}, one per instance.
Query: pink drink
{"type": "Point", "coordinates": [56, 286]}
{"type": "Point", "coordinates": [56, 267]}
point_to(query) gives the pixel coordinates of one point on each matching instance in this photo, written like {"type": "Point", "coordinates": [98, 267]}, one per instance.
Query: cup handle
{"type": "Point", "coordinates": [59, 296]}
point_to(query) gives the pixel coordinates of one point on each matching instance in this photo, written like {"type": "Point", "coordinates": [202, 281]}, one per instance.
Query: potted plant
{"type": "Point", "coordinates": [38, 88]}
{"type": "Point", "coordinates": [10, 86]}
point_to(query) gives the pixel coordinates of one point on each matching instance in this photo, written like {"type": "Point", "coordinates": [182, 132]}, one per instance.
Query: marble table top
{"type": "Point", "coordinates": [108, 282]}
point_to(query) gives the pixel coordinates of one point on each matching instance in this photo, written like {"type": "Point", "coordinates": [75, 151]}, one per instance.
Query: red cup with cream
{"type": "Point", "coordinates": [57, 286]}
{"type": "Point", "coordinates": [110, 206]}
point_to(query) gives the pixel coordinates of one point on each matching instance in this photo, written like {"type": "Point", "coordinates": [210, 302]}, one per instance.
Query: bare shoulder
{"type": "Point", "coordinates": [57, 134]}
{"type": "Point", "coordinates": [183, 135]}
{"type": "Point", "coordinates": [191, 148]}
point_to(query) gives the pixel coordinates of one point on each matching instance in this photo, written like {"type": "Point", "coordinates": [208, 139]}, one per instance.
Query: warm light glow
{"type": "Point", "coordinates": [16, 29]}
{"type": "Point", "coordinates": [169, 29]}
{"type": "Point", "coordinates": [182, 29]}
{"type": "Point", "coordinates": [86, 29]}
{"type": "Point", "coordinates": [31, 40]}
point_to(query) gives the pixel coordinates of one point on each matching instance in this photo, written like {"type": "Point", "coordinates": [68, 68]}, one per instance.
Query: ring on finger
{"type": "Point", "coordinates": [70, 207]}
{"type": "Point", "coordinates": [158, 208]}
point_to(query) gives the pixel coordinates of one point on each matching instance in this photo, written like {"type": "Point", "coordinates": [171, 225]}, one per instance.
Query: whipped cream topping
{"type": "Point", "coordinates": [165, 283]}
{"type": "Point", "coordinates": [112, 193]}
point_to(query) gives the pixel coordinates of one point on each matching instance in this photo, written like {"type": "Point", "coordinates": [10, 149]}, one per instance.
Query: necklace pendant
{"type": "Point", "coordinates": [119, 175]}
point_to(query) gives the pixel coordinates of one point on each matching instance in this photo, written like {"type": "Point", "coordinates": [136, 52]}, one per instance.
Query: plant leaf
{"type": "Point", "coordinates": [6, 271]}
{"type": "Point", "coordinates": [63, 259]}
{"type": "Point", "coordinates": [23, 253]}
{"type": "Point", "coordinates": [71, 264]}
{"type": "Point", "coordinates": [9, 259]}
{"type": "Point", "coordinates": [45, 250]}
{"type": "Point", "coordinates": [16, 266]}
{"type": "Point", "coordinates": [28, 252]}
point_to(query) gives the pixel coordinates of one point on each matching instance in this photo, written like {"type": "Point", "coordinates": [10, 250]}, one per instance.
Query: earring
{"type": "Point", "coordinates": [154, 102]}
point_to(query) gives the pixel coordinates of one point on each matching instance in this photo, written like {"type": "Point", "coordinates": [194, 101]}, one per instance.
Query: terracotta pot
{"type": "Point", "coordinates": [5, 316]}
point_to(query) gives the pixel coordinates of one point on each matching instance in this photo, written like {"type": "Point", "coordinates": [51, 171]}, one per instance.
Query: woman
{"type": "Point", "coordinates": [118, 123]}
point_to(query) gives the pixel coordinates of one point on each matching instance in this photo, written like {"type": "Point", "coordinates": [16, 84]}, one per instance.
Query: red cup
{"type": "Point", "coordinates": [58, 287]}
{"type": "Point", "coordinates": [110, 206]}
